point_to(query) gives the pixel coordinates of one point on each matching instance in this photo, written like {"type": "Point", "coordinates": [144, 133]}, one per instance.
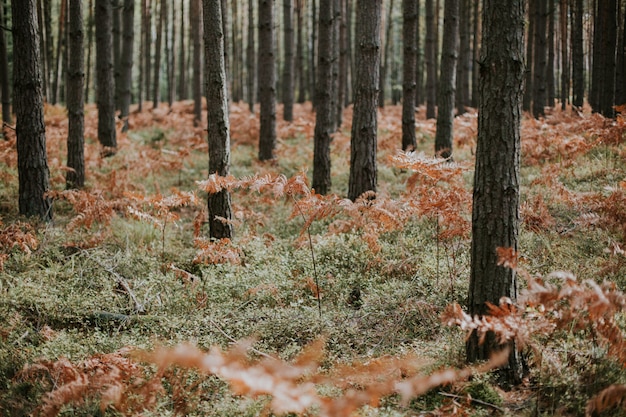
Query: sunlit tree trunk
{"type": "Point", "coordinates": [409, 38]}
{"type": "Point", "coordinates": [363, 171]}
{"type": "Point", "coordinates": [267, 81]}
{"type": "Point", "coordinates": [75, 177]}
{"type": "Point", "coordinates": [104, 74]}
{"type": "Point", "coordinates": [32, 162]}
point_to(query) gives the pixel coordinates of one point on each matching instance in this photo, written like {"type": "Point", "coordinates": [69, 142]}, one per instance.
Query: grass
{"type": "Point", "coordinates": [63, 300]}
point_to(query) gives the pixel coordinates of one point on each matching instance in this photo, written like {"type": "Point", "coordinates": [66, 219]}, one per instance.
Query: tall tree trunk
{"type": "Point", "coordinates": [117, 50]}
{"type": "Point", "coordinates": [90, 30]}
{"type": "Point", "coordinates": [142, 47]}
{"type": "Point", "coordinates": [182, 70]}
{"type": "Point", "coordinates": [4, 74]}
{"type": "Point", "coordinates": [495, 213]}
{"type": "Point", "coordinates": [32, 162]}
{"type": "Point", "coordinates": [475, 53]}
{"type": "Point", "coordinates": [75, 178]}
{"type": "Point", "coordinates": [578, 55]}
{"type": "Point", "coordinates": [147, 33]}
{"type": "Point", "coordinates": [323, 101]}
{"type": "Point", "coordinates": [386, 53]}
{"type": "Point", "coordinates": [530, 46]}
{"type": "Point", "coordinates": [288, 65]}
{"type": "Point", "coordinates": [251, 58]}
{"type": "Point", "coordinates": [447, 80]}
{"type": "Point", "coordinates": [540, 65]}
{"type": "Point", "coordinates": [300, 74]}
{"type": "Point", "coordinates": [218, 129]}
{"type": "Point", "coordinates": [126, 75]}
{"type": "Point", "coordinates": [565, 72]}
{"type": "Point", "coordinates": [344, 62]}
{"type": "Point", "coordinates": [237, 60]}
{"type": "Point", "coordinates": [156, 87]}
{"type": "Point", "coordinates": [419, 58]}
{"type": "Point", "coordinates": [169, 49]}
{"type": "Point", "coordinates": [409, 38]}
{"type": "Point", "coordinates": [313, 52]}
{"type": "Point", "coordinates": [42, 46]}
{"type": "Point", "coordinates": [431, 57]}
{"type": "Point", "coordinates": [57, 66]}
{"type": "Point", "coordinates": [227, 67]}
{"type": "Point", "coordinates": [550, 87]}
{"type": "Point", "coordinates": [267, 81]}
{"type": "Point", "coordinates": [608, 14]}
{"type": "Point", "coordinates": [334, 92]}
{"type": "Point", "coordinates": [195, 14]}
{"type": "Point", "coordinates": [363, 171]}
{"type": "Point", "coordinates": [104, 73]}
{"type": "Point", "coordinates": [47, 9]}
{"type": "Point", "coordinates": [463, 64]}
{"type": "Point", "coordinates": [620, 78]}
{"type": "Point", "coordinates": [596, 69]}
{"type": "Point", "coordinates": [350, 57]}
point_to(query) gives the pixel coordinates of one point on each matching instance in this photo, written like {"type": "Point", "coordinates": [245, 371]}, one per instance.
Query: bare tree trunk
{"type": "Point", "coordinates": [218, 128]}
{"type": "Point", "coordinates": [4, 74]}
{"type": "Point", "coordinates": [42, 46]}
{"type": "Point", "coordinates": [530, 46]}
{"type": "Point", "coordinates": [419, 59]}
{"type": "Point", "coordinates": [57, 66]}
{"type": "Point", "coordinates": [126, 75]}
{"type": "Point", "coordinates": [620, 77]}
{"type": "Point", "coordinates": [169, 56]}
{"type": "Point", "coordinates": [195, 14]}
{"type": "Point", "coordinates": [463, 64]}
{"type": "Point", "coordinates": [47, 9]}
{"type": "Point", "coordinates": [301, 80]}
{"type": "Point", "coordinates": [476, 54]}
{"type": "Point", "coordinates": [267, 81]}
{"type": "Point", "coordinates": [32, 162]}
{"type": "Point", "coordinates": [608, 14]}
{"type": "Point", "coordinates": [447, 80]}
{"type": "Point", "coordinates": [90, 30]}
{"type": "Point", "coordinates": [385, 62]}
{"type": "Point", "coordinates": [147, 33]}
{"type": "Point", "coordinates": [431, 57]}
{"type": "Point", "coordinates": [565, 71]}
{"type": "Point", "coordinates": [540, 65]}
{"type": "Point", "coordinates": [182, 70]}
{"type": "Point", "coordinates": [156, 87]}
{"type": "Point", "coordinates": [227, 67]}
{"type": "Point", "coordinates": [104, 73]}
{"type": "Point", "coordinates": [342, 86]}
{"type": "Point", "coordinates": [363, 171]}
{"type": "Point", "coordinates": [288, 64]}
{"type": "Point", "coordinates": [142, 47]}
{"type": "Point", "coordinates": [550, 84]}
{"type": "Point", "coordinates": [251, 58]}
{"type": "Point", "coordinates": [75, 177]}
{"type": "Point", "coordinates": [117, 50]}
{"type": "Point", "coordinates": [313, 58]}
{"type": "Point", "coordinates": [409, 38]}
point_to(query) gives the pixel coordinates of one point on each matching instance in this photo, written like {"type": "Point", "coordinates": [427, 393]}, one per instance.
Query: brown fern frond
{"type": "Point", "coordinates": [613, 396]}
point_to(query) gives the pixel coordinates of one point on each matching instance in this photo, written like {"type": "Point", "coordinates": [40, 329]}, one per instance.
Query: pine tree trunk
{"type": "Point", "coordinates": [42, 45]}
{"type": "Point", "coordinates": [313, 52]}
{"type": "Point", "coordinates": [156, 86]}
{"type": "Point", "coordinates": [342, 83]}
{"type": "Point", "coordinates": [550, 84]}
{"type": "Point", "coordinates": [301, 80]}
{"type": "Point", "coordinates": [57, 66]}
{"type": "Point", "coordinates": [32, 162]}
{"type": "Point", "coordinates": [251, 58]}
{"type": "Point", "coordinates": [147, 33]}
{"type": "Point", "coordinates": [4, 75]}
{"type": "Point", "coordinates": [237, 60]}
{"type": "Point", "coordinates": [419, 58]}
{"type": "Point", "coordinates": [386, 53]}
{"type": "Point", "coordinates": [142, 47]}
{"type": "Point", "coordinates": [47, 9]}
{"type": "Point", "coordinates": [90, 30]}
{"type": "Point", "coordinates": [218, 126]}
{"type": "Point", "coordinates": [578, 55]}
{"type": "Point", "coordinates": [409, 37]}
{"type": "Point", "coordinates": [104, 74]}
{"type": "Point", "coordinates": [363, 171]}
{"type": "Point", "coordinates": [608, 15]}
{"type": "Point", "coordinates": [75, 178]}
{"type": "Point", "coordinates": [169, 54]}
{"type": "Point", "coordinates": [540, 64]}
{"type": "Point", "coordinates": [431, 57]}
{"type": "Point", "coordinates": [195, 15]}
{"type": "Point", "coordinates": [620, 77]}
{"type": "Point", "coordinates": [475, 53]}
{"type": "Point", "coordinates": [530, 45]}
{"type": "Point", "coordinates": [267, 81]}
{"type": "Point", "coordinates": [324, 111]}
{"type": "Point", "coordinates": [463, 64]}
{"type": "Point", "coordinates": [565, 70]}
{"type": "Point", "coordinates": [126, 75]}
{"type": "Point", "coordinates": [117, 50]}
{"type": "Point", "coordinates": [227, 67]}
{"type": "Point", "coordinates": [182, 70]}
{"type": "Point", "coordinates": [495, 214]}
{"type": "Point", "coordinates": [447, 80]}
{"type": "Point", "coordinates": [288, 64]}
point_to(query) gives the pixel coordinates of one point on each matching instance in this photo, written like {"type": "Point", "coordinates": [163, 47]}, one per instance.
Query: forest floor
{"type": "Point", "coordinates": [126, 266]}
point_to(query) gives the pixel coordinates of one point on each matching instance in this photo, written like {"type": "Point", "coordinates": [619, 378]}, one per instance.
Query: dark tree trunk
{"type": "Point", "coordinates": [313, 51]}
{"type": "Point", "coordinates": [47, 9]}
{"type": "Point", "coordinates": [195, 15]}
{"type": "Point", "coordinates": [126, 75]}
{"type": "Point", "coordinates": [409, 37]}
{"type": "Point", "coordinates": [251, 58]}
{"type": "Point", "coordinates": [90, 27]}
{"type": "Point", "coordinates": [385, 61]}
{"type": "Point", "coordinates": [57, 66]}
{"type": "Point", "coordinates": [4, 74]}
{"type": "Point", "coordinates": [495, 214]}
{"type": "Point", "coordinates": [475, 54]}
{"type": "Point", "coordinates": [288, 64]}
{"type": "Point", "coordinates": [363, 172]}
{"type": "Point", "coordinates": [530, 46]}
{"type": "Point", "coordinates": [550, 84]}
{"type": "Point", "coordinates": [217, 116]}
{"type": "Point", "coordinates": [323, 101]}
{"type": "Point", "coordinates": [42, 45]}
{"type": "Point", "coordinates": [620, 77]}
{"type": "Point", "coordinates": [142, 47]}
{"type": "Point", "coordinates": [75, 177]}
{"type": "Point", "coordinates": [267, 81]}
{"type": "Point", "coordinates": [237, 48]}
{"type": "Point", "coordinates": [104, 73]}
{"type": "Point", "coordinates": [342, 83]}
{"type": "Point", "coordinates": [227, 67]}
{"type": "Point", "coordinates": [334, 91]}
{"type": "Point", "coordinates": [182, 70]}
{"type": "Point", "coordinates": [596, 68]}
{"type": "Point", "coordinates": [156, 86]}
{"type": "Point", "coordinates": [565, 73]}
{"type": "Point", "coordinates": [578, 54]}
{"type": "Point", "coordinates": [431, 58]}
{"type": "Point", "coordinates": [300, 53]}
{"type": "Point", "coordinates": [147, 33]}
{"type": "Point", "coordinates": [463, 64]}
{"type": "Point", "coordinates": [608, 15]}
{"type": "Point", "coordinates": [169, 55]}
{"type": "Point", "coordinates": [447, 80]}
{"type": "Point", "coordinates": [32, 162]}
{"type": "Point", "coordinates": [419, 58]}
{"type": "Point", "coordinates": [350, 57]}
{"type": "Point", "coordinates": [117, 50]}
{"type": "Point", "coordinates": [540, 64]}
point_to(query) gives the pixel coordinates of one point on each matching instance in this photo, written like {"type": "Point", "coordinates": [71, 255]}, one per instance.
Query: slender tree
{"type": "Point", "coordinates": [57, 66]}
{"type": "Point", "coordinates": [104, 74]}
{"type": "Point", "coordinates": [32, 162]}
{"type": "Point", "coordinates": [550, 82]}
{"type": "Point", "coordinates": [363, 171]}
{"type": "Point", "coordinates": [419, 58]}
{"type": "Point", "coordinates": [475, 52]}
{"type": "Point", "coordinates": [182, 70]}
{"type": "Point", "coordinates": [117, 50]}
{"type": "Point", "coordinates": [217, 117]}
{"type": "Point", "coordinates": [4, 74]}
{"type": "Point", "coordinates": [267, 80]}
{"type": "Point", "coordinates": [147, 39]}
{"type": "Point", "coordinates": [578, 54]}
{"type": "Point", "coordinates": [620, 77]}
{"type": "Point", "coordinates": [409, 38]}
{"type": "Point", "coordinates": [90, 30]}
{"type": "Point", "coordinates": [342, 84]}
{"type": "Point", "coordinates": [251, 58]}
{"type": "Point", "coordinates": [75, 177]}
{"type": "Point", "coordinates": [384, 67]}
{"type": "Point", "coordinates": [300, 73]}
{"type": "Point", "coordinates": [324, 111]}
{"type": "Point", "coordinates": [156, 86]}
{"type": "Point", "coordinates": [462, 95]}
{"type": "Point", "coordinates": [431, 58]}
{"type": "Point", "coordinates": [530, 43]}
{"type": "Point", "coordinates": [126, 75]}
{"type": "Point", "coordinates": [540, 63]}
{"type": "Point", "coordinates": [49, 54]}
{"type": "Point", "coordinates": [565, 69]}
{"type": "Point", "coordinates": [226, 24]}
{"type": "Point", "coordinates": [495, 213]}
{"type": "Point", "coordinates": [288, 92]}
{"type": "Point", "coordinates": [447, 80]}
{"type": "Point", "coordinates": [196, 27]}
{"type": "Point", "coordinates": [604, 51]}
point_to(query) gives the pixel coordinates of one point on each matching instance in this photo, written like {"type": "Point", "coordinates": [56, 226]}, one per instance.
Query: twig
{"type": "Point", "coordinates": [232, 339]}
{"type": "Point", "coordinates": [122, 282]}
{"type": "Point", "coordinates": [474, 400]}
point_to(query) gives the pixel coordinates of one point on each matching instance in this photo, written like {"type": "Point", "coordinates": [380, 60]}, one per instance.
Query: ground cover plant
{"type": "Point", "coordinates": [318, 305]}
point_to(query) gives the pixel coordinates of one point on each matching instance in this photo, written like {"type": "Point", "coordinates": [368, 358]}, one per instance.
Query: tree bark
{"type": "Point", "coordinates": [301, 77]}
{"type": "Point", "coordinates": [75, 178]}
{"type": "Point", "coordinates": [608, 15]}
{"type": "Point", "coordinates": [409, 37]}
{"type": "Point", "coordinates": [363, 171]}
{"type": "Point", "coordinates": [90, 26]}
{"type": "Point", "coordinates": [578, 55]}
{"type": "Point", "coordinates": [104, 73]}
{"type": "Point", "coordinates": [126, 75]}
{"type": "Point", "coordinates": [117, 50]}
{"type": "Point", "coordinates": [218, 128]}
{"type": "Point", "coordinates": [32, 162]}
{"type": "Point", "coordinates": [4, 75]}
{"type": "Point", "coordinates": [495, 214]}
{"type": "Point", "coordinates": [386, 53]}
{"type": "Point", "coordinates": [530, 46]}
{"type": "Point", "coordinates": [267, 81]}
{"type": "Point", "coordinates": [431, 57]}
{"type": "Point", "coordinates": [288, 92]}
{"type": "Point", "coordinates": [419, 58]}
{"type": "Point", "coordinates": [156, 87]}
{"type": "Point", "coordinates": [195, 14]}
{"type": "Point", "coordinates": [182, 70]}
{"type": "Point", "coordinates": [57, 66]}
{"type": "Point", "coordinates": [147, 33]}
{"type": "Point", "coordinates": [47, 9]}
{"type": "Point", "coordinates": [343, 61]}
{"type": "Point", "coordinates": [550, 84]}
{"type": "Point", "coordinates": [447, 80]}
{"type": "Point", "coordinates": [620, 77]}
{"type": "Point", "coordinates": [251, 58]}
{"type": "Point", "coordinates": [565, 69]}
{"type": "Point", "coordinates": [227, 66]}
{"type": "Point", "coordinates": [463, 64]}
{"type": "Point", "coordinates": [475, 53]}
{"type": "Point", "coordinates": [540, 64]}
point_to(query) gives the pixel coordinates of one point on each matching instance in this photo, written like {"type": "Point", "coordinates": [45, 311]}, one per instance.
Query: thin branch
{"type": "Point", "coordinates": [8, 29]}
{"type": "Point", "coordinates": [474, 400]}
{"type": "Point", "coordinates": [232, 339]}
